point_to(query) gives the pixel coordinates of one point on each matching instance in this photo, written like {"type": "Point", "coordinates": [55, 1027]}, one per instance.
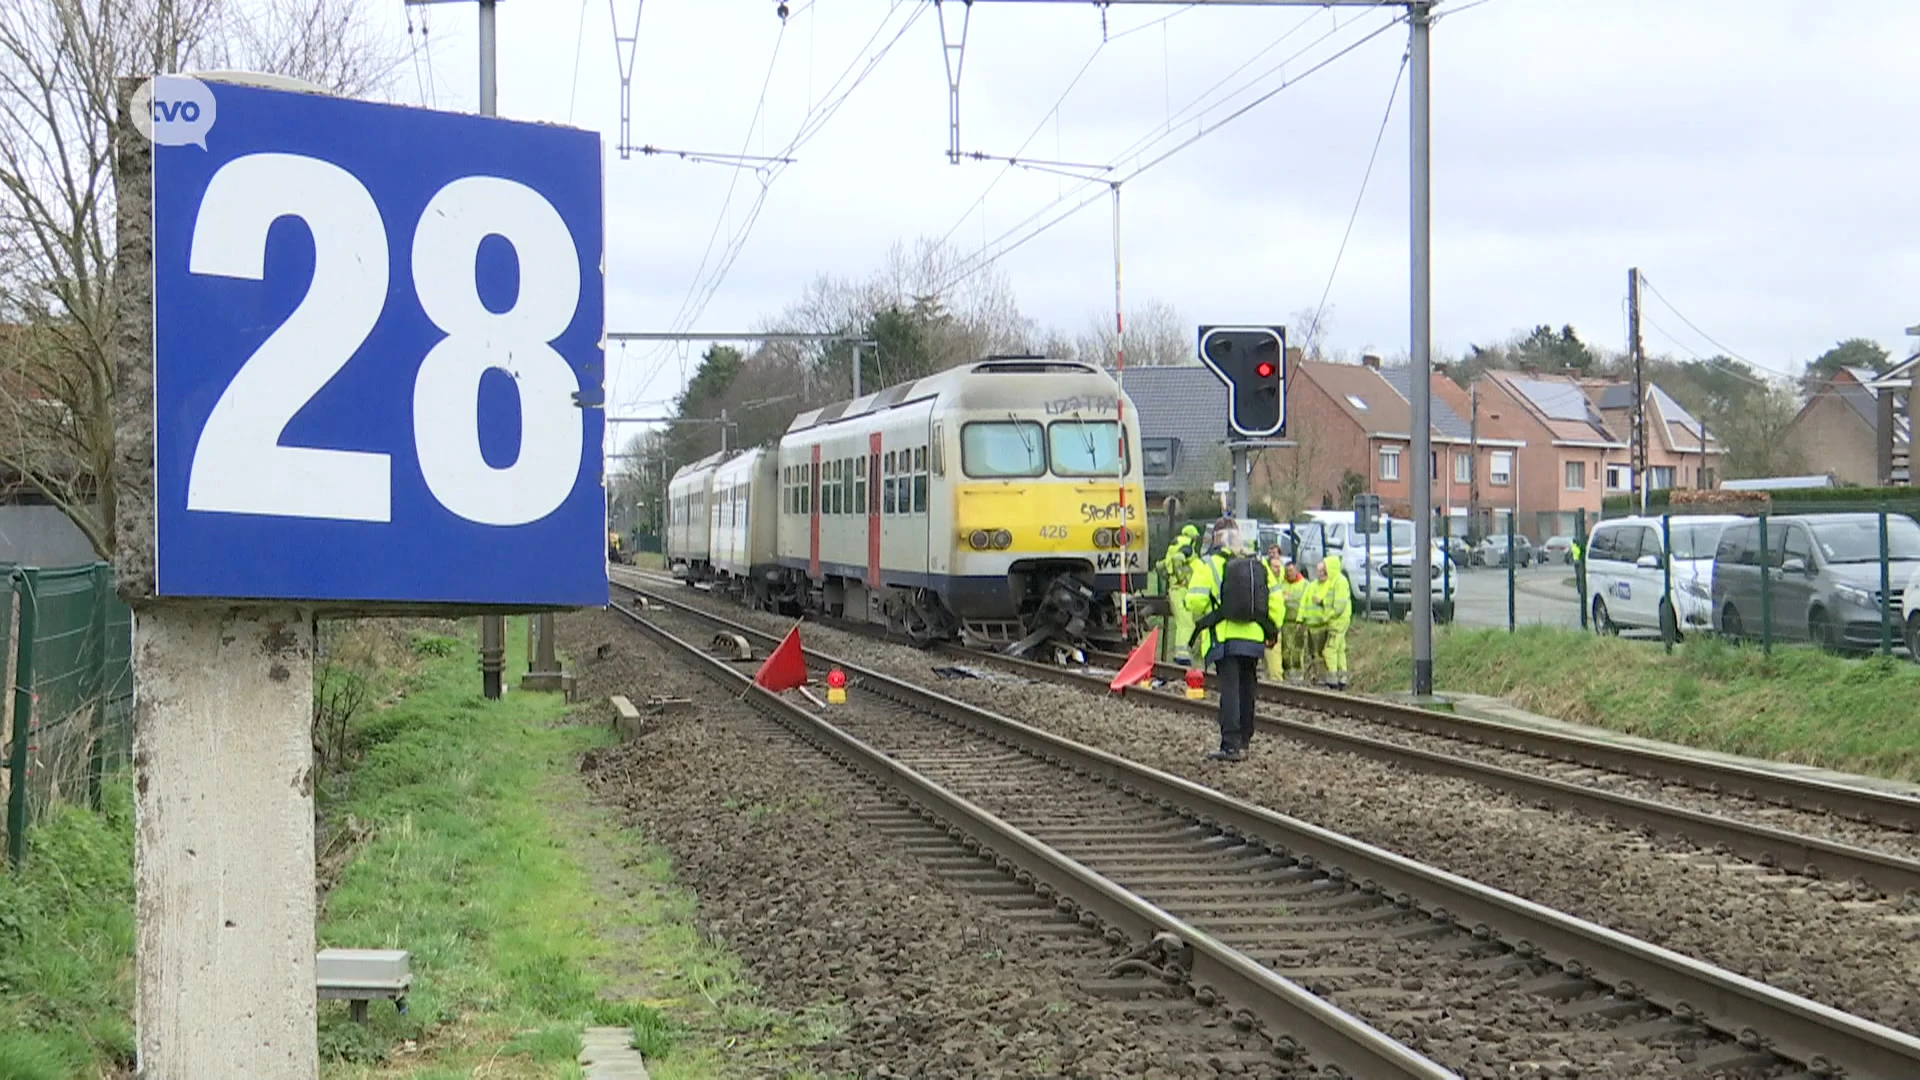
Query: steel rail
{"type": "Point", "coordinates": [1764, 844]}
{"type": "Point", "coordinates": [1813, 794]}
{"type": "Point", "coordinates": [1806, 793]}
{"type": "Point", "coordinates": [1809, 855]}
{"type": "Point", "coordinates": [1289, 1011]}
{"type": "Point", "coordinates": [1822, 1038]}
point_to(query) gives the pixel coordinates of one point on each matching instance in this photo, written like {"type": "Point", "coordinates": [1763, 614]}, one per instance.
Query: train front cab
{"type": "Point", "coordinates": [1046, 535]}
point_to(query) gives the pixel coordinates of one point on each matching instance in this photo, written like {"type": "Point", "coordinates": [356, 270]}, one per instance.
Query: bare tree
{"type": "Point", "coordinates": [1155, 336]}
{"type": "Point", "coordinates": [61, 63]}
{"type": "Point", "coordinates": [1307, 331]}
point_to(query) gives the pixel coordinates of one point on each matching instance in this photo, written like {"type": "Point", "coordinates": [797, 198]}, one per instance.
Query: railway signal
{"type": "Point", "coordinates": [1251, 360]}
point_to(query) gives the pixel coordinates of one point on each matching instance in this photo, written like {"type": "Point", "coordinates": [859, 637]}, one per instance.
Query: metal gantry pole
{"type": "Point", "coordinates": [493, 628]}
{"type": "Point", "coordinates": [1420, 22]}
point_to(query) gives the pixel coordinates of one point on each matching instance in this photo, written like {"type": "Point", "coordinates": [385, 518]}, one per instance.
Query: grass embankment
{"type": "Point", "coordinates": [1797, 705]}
{"type": "Point", "coordinates": [478, 862]}
{"type": "Point", "coordinates": [66, 946]}
{"type": "Point", "coordinates": [457, 832]}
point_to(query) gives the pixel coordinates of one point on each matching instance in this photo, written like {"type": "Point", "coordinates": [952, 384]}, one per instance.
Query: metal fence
{"type": "Point", "coordinates": [67, 642]}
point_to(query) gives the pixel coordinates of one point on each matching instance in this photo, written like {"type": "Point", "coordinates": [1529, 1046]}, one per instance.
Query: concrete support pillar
{"type": "Point", "coordinates": [223, 848]}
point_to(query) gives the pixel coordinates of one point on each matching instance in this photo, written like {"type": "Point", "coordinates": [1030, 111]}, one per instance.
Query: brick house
{"type": "Point", "coordinates": [1837, 429]}
{"type": "Point", "coordinates": [1681, 452]}
{"type": "Point", "coordinates": [1356, 420]}
{"type": "Point", "coordinates": [1570, 457]}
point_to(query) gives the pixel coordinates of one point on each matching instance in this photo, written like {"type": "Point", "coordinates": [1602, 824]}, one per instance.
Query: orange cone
{"type": "Point", "coordinates": [1139, 665]}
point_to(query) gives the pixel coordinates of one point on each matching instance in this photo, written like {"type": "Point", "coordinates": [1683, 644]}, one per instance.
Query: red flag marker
{"type": "Point", "coordinates": [1139, 665]}
{"type": "Point", "coordinates": [786, 667]}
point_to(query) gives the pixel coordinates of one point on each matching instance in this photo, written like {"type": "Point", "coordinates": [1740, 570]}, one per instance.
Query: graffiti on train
{"type": "Point", "coordinates": [1080, 403]}
{"type": "Point", "coordinates": [1113, 511]}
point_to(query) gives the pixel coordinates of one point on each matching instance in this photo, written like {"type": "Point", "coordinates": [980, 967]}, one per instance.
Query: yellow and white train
{"type": "Point", "coordinates": [993, 503]}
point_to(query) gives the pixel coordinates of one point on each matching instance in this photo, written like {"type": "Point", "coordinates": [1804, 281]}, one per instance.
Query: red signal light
{"type": "Point", "coordinates": [1265, 370]}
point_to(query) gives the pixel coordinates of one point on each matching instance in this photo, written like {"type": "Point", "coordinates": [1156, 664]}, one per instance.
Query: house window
{"type": "Point", "coordinates": [1659, 477]}
{"type": "Point", "coordinates": [1576, 476]}
{"type": "Point", "coordinates": [1433, 464]}
{"type": "Point", "coordinates": [1156, 456]}
{"type": "Point", "coordinates": [1463, 468]}
{"type": "Point", "coordinates": [1356, 401]}
{"type": "Point", "coordinates": [1389, 463]}
{"type": "Point", "coordinates": [1619, 477]}
{"type": "Point", "coordinates": [1500, 469]}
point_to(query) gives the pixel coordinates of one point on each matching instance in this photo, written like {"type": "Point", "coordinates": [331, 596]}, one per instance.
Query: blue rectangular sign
{"type": "Point", "coordinates": [378, 356]}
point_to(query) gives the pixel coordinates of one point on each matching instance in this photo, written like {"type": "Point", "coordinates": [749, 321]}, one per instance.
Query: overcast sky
{"type": "Point", "coordinates": [1756, 159]}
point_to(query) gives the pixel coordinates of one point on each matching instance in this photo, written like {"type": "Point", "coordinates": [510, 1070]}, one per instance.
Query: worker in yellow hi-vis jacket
{"type": "Point", "coordinates": [1176, 569]}
{"type": "Point", "coordinates": [1337, 597]}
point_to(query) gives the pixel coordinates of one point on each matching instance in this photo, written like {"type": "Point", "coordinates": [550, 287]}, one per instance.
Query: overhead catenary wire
{"type": "Point", "coordinates": [1648, 285]}
{"type": "Point", "coordinates": [1378, 138]}
{"type": "Point", "coordinates": [1146, 143]}
{"type": "Point", "coordinates": [984, 260]}
{"type": "Point", "coordinates": [579, 39]}
{"type": "Point", "coordinates": [705, 285]}
{"type": "Point", "coordinates": [1199, 103]}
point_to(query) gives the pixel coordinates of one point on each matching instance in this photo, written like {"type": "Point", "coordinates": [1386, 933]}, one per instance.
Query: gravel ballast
{"type": "Point", "coordinates": [1812, 938]}
{"type": "Point", "coordinates": [834, 919]}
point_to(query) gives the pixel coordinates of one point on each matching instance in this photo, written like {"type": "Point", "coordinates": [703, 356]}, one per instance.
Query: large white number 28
{"type": "Point", "coordinates": [239, 465]}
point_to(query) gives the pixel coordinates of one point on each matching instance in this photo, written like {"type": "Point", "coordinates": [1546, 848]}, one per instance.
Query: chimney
{"type": "Point", "coordinates": [1441, 367]}
{"type": "Point", "coordinates": [1371, 361]}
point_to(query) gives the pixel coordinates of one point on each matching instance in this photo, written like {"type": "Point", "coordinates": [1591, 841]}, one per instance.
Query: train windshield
{"type": "Point", "coordinates": [1002, 448]}
{"type": "Point", "coordinates": [1084, 447]}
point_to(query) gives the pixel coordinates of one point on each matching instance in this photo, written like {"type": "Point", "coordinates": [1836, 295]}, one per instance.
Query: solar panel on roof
{"type": "Point", "coordinates": [1559, 401]}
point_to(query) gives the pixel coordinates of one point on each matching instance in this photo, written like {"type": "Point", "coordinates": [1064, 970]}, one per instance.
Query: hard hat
{"type": "Point", "coordinates": [1189, 529]}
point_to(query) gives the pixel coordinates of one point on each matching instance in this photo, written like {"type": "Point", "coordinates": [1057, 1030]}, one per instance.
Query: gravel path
{"type": "Point", "coordinates": [1812, 938]}
{"type": "Point", "coordinates": [834, 919]}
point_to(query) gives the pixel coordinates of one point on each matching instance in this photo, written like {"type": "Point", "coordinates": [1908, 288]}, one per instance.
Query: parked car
{"type": "Point", "coordinates": [1557, 549]}
{"type": "Point", "coordinates": [1378, 565]}
{"type": "Point", "coordinates": [1823, 576]}
{"type": "Point", "coordinates": [1626, 581]}
{"type": "Point", "coordinates": [1492, 551]}
{"type": "Point", "coordinates": [1459, 552]}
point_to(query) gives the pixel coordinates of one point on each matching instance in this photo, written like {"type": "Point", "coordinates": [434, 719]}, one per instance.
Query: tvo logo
{"type": "Point", "coordinates": [174, 110]}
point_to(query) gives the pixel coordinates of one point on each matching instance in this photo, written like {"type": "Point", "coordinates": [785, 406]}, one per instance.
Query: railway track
{"type": "Point", "coordinates": [1808, 826]}
{"type": "Point", "coordinates": [1480, 980]}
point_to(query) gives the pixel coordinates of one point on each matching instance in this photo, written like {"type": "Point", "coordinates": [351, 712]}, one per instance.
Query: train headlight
{"type": "Point", "coordinates": [1122, 536]}
{"type": "Point", "coordinates": [1103, 538]}
{"type": "Point", "coordinates": [979, 540]}
{"type": "Point", "coordinates": [1002, 539]}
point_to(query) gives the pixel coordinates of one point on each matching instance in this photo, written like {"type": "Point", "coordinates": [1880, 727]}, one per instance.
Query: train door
{"type": "Point", "coordinates": [873, 510]}
{"type": "Point", "coordinates": [813, 513]}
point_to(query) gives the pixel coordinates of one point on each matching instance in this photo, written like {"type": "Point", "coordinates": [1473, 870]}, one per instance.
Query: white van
{"type": "Point", "coordinates": [1626, 586]}
{"type": "Point", "coordinates": [1910, 615]}
{"type": "Point", "coordinates": [1379, 566]}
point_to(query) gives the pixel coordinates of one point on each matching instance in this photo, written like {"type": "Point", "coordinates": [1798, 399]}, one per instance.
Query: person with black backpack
{"type": "Point", "coordinates": [1240, 608]}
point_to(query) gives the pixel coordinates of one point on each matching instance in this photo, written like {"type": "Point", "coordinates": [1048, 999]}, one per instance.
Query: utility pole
{"type": "Point", "coordinates": [493, 628]}
{"type": "Point", "coordinates": [1420, 19]}
{"type": "Point", "coordinates": [856, 370]}
{"type": "Point", "coordinates": [1639, 437]}
{"type": "Point", "coordinates": [1473, 459]}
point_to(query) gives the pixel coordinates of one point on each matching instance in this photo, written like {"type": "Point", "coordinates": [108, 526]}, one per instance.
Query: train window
{"type": "Point", "coordinates": [886, 495]}
{"type": "Point", "coordinates": [1084, 447]}
{"type": "Point", "coordinates": [920, 493]}
{"type": "Point", "coordinates": [1002, 448]}
{"type": "Point", "coordinates": [919, 459]}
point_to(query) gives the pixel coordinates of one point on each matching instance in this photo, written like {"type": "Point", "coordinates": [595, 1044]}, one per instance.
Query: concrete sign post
{"type": "Point", "coordinates": [359, 374]}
